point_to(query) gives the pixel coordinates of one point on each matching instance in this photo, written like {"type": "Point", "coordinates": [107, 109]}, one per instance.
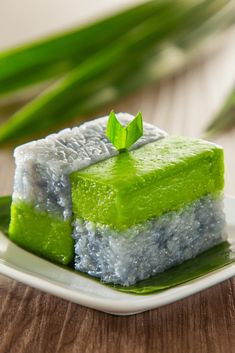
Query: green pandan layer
{"type": "Point", "coordinates": [158, 177]}
{"type": "Point", "coordinates": [41, 233]}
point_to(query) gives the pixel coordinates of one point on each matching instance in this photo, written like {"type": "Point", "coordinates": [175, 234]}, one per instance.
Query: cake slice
{"type": "Point", "coordinates": [41, 213]}
{"type": "Point", "coordinates": [146, 210]}
{"type": "Point", "coordinates": [119, 216]}
{"type": "Point", "coordinates": [138, 185]}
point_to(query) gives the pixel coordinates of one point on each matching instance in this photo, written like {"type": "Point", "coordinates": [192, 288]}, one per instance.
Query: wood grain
{"type": "Point", "coordinates": [32, 321]}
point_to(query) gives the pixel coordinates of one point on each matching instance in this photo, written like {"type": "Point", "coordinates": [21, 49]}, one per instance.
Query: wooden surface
{"type": "Point", "coordinates": [32, 321]}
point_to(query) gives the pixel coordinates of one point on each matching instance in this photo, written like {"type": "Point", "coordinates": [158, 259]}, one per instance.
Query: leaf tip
{"type": "Point", "coordinates": [124, 137]}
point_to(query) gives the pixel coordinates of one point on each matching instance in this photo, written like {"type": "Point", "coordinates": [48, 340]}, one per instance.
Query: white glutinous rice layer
{"type": "Point", "coordinates": [125, 257]}
{"type": "Point", "coordinates": [43, 166]}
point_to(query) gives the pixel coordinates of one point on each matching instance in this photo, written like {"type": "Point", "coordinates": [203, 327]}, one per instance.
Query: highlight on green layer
{"type": "Point", "coordinates": [41, 233]}
{"type": "Point", "coordinates": [211, 260]}
{"type": "Point", "coordinates": [122, 191]}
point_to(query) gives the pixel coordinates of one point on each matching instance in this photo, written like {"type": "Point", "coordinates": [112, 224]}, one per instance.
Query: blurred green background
{"type": "Point", "coordinates": [51, 81]}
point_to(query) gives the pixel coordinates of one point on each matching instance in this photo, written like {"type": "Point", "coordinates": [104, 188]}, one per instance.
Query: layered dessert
{"type": "Point", "coordinates": [119, 216]}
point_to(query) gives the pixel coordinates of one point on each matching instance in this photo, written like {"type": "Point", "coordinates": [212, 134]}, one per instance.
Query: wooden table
{"type": "Point", "coordinates": [32, 321]}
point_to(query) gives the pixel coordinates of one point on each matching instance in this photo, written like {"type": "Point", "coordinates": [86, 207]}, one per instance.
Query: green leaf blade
{"type": "Point", "coordinates": [134, 130]}
{"type": "Point", "coordinates": [116, 69]}
{"type": "Point", "coordinates": [55, 55]}
{"type": "Point", "coordinates": [211, 260]}
{"type": "Point", "coordinates": [115, 132]}
{"type": "Point", "coordinates": [224, 119]}
{"type": "Point", "coordinates": [5, 204]}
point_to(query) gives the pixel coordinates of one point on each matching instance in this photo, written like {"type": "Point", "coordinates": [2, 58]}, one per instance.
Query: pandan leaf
{"type": "Point", "coordinates": [123, 137]}
{"type": "Point", "coordinates": [103, 62]}
{"type": "Point", "coordinates": [211, 260]}
{"type": "Point", "coordinates": [224, 119]}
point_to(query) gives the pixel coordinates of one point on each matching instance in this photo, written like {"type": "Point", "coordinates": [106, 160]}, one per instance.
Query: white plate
{"type": "Point", "coordinates": [39, 273]}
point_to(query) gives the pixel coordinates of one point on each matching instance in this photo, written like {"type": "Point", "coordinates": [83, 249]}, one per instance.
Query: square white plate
{"type": "Point", "coordinates": [39, 273]}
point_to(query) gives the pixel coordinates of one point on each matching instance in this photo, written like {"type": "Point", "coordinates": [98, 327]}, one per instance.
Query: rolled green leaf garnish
{"type": "Point", "coordinates": [123, 137]}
